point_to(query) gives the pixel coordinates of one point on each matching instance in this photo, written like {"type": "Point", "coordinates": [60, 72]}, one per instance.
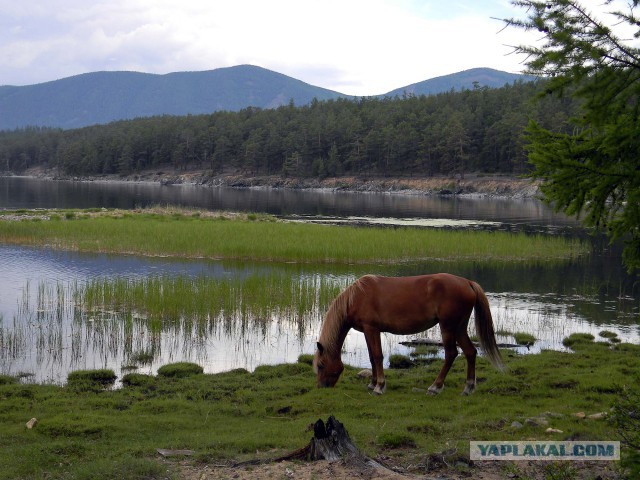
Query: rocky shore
{"type": "Point", "coordinates": [472, 184]}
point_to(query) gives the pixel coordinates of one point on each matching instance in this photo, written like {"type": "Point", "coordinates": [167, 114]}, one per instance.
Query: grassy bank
{"type": "Point", "coordinates": [84, 431]}
{"type": "Point", "coordinates": [252, 237]}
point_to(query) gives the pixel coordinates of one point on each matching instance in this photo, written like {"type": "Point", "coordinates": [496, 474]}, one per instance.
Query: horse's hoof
{"type": "Point", "coordinates": [469, 388]}
{"type": "Point", "coordinates": [379, 390]}
{"type": "Point", "coordinates": [371, 386]}
{"type": "Point", "coordinates": [434, 390]}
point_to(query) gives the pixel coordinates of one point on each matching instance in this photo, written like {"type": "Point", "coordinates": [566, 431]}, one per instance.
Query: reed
{"type": "Point", "coordinates": [201, 302]}
{"type": "Point", "coordinates": [262, 238]}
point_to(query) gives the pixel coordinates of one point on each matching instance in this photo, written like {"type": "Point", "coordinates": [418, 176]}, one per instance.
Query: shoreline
{"type": "Point", "coordinates": [469, 185]}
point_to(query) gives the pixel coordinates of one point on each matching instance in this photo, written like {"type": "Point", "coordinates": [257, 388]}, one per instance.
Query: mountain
{"type": "Point", "coordinates": [103, 97]}
{"type": "Point", "coordinates": [485, 77]}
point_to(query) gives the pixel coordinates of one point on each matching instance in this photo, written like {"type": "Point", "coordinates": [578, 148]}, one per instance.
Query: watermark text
{"type": "Point", "coordinates": [531, 450]}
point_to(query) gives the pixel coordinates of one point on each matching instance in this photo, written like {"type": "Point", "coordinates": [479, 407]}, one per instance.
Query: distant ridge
{"type": "Point", "coordinates": [485, 77]}
{"type": "Point", "coordinates": [103, 97]}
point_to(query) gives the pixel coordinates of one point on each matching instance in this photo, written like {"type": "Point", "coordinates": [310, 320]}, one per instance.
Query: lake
{"type": "Point", "coordinates": [44, 332]}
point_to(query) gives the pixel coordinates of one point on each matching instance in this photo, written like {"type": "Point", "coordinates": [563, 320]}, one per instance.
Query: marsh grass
{"type": "Point", "coordinates": [129, 319]}
{"type": "Point", "coordinates": [180, 370]}
{"type": "Point", "coordinates": [609, 335]}
{"type": "Point", "coordinates": [239, 415]}
{"type": "Point", "coordinates": [575, 339]}
{"type": "Point", "coordinates": [523, 338]}
{"type": "Point", "coordinates": [200, 302]}
{"type": "Point", "coordinates": [91, 379]}
{"type": "Point", "coordinates": [262, 238]}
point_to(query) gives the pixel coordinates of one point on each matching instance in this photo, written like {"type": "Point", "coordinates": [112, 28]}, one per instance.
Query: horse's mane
{"type": "Point", "coordinates": [337, 313]}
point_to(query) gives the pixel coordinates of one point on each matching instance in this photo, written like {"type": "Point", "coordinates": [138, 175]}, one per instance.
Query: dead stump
{"type": "Point", "coordinates": [331, 442]}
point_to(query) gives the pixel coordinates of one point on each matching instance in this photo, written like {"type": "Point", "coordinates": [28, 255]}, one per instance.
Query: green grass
{"type": "Point", "coordinates": [577, 339]}
{"type": "Point", "coordinates": [180, 370]}
{"type": "Point", "coordinates": [261, 238]}
{"type": "Point", "coordinates": [523, 338]}
{"type": "Point", "coordinates": [199, 304]}
{"type": "Point", "coordinates": [240, 415]}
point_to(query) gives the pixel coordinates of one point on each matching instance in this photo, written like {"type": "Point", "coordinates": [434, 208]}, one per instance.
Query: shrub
{"type": "Point", "coordinates": [626, 419]}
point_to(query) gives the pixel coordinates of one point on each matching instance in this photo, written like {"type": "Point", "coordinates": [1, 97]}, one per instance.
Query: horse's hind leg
{"type": "Point", "coordinates": [470, 354]}
{"type": "Point", "coordinates": [450, 354]}
{"type": "Point", "coordinates": [374, 345]}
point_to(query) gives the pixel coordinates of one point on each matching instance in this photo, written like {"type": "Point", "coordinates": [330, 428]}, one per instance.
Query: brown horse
{"type": "Point", "coordinates": [404, 306]}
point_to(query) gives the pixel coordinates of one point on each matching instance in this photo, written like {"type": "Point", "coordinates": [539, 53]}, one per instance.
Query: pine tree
{"type": "Point", "coordinates": [594, 171]}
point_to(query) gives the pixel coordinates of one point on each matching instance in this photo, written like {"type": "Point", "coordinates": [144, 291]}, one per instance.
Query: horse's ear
{"type": "Point", "coordinates": [320, 348]}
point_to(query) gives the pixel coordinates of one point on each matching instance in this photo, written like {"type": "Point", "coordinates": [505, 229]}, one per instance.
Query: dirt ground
{"type": "Point", "coordinates": [345, 470]}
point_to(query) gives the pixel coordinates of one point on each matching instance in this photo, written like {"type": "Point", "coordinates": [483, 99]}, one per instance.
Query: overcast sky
{"type": "Point", "coordinates": [356, 47]}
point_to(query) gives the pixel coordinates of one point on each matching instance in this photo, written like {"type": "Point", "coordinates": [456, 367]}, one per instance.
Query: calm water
{"type": "Point", "coordinates": [18, 192]}
{"type": "Point", "coordinates": [42, 332]}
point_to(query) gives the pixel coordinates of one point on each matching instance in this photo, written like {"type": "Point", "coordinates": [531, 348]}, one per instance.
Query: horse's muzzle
{"type": "Point", "coordinates": [326, 384]}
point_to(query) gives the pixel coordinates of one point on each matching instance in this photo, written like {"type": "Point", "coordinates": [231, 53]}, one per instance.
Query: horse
{"type": "Point", "coordinates": [405, 306]}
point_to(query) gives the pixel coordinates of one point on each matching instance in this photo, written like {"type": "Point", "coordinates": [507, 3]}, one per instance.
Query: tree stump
{"type": "Point", "coordinates": [331, 442]}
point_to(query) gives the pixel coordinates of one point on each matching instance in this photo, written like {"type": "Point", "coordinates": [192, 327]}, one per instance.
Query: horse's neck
{"type": "Point", "coordinates": [333, 334]}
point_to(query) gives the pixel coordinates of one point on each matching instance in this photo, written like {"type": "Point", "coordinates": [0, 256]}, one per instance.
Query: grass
{"type": "Point", "coordinates": [238, 415]}
{"type": "Point", "coordinates": [523, 338]}
{"type": "Point", "coordinates": [259, 237]}
{"type": "Point", "coordinates": [576, 339]}
{"type": "Point", "coordinates": [161, 301]}
{"type": "Point", "coordinates": [180, 369]}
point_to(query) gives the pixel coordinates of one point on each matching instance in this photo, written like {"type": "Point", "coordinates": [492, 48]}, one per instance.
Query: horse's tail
{"type": "Point", "coordinates": [484, 327]}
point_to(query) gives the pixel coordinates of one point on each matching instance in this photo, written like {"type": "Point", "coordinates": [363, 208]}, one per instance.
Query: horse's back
{"type": "Point", "coordinates": [411, 304]}
{"type": "Point", "coordinates": [418, 285]}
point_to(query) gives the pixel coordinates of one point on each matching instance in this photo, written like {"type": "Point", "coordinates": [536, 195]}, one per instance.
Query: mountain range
{"type": "Point", "coordinates": [103, 97]}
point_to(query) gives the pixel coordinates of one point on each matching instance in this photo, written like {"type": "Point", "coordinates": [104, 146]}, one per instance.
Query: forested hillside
{"type": "Point", "coordinates": [465, 80]}
{"type": "Point", "coordinates": [102, 97]}
{"type": "Point", "coordinates": [477, 130]}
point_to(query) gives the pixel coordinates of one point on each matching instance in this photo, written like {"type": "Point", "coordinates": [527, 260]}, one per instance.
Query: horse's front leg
{"type": "Point", "coordinates": [374, 345]}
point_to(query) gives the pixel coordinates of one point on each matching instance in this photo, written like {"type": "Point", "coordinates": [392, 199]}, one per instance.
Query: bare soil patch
{"type": "Point", "coordinates": [345, 470]}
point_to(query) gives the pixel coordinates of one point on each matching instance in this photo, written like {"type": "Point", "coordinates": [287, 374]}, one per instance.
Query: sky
{"type": "Point", "coordinates": [356, 47]}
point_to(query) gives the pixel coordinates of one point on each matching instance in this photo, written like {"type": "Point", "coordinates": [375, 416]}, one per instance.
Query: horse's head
{"type": "Point", "coordinates": [327, 367]}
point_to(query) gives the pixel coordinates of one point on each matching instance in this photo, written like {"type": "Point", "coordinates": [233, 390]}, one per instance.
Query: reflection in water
{"type": "Point", "coordinates": [46, 327]}
{"type": "Point", "coordinates": [64, 327]}
{"type": "Point", "coordinates": [235, 315]}
{"type": "Point", "coordinates": [17, 192]}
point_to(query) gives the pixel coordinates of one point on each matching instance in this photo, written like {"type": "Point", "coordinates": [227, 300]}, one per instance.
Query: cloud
{"type": "Point", "coordinates": [360, 47]}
